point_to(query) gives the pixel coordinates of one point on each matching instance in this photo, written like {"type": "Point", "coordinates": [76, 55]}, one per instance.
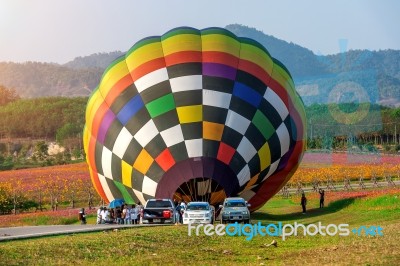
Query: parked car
{"type": "Point", "coordinates": [159, 211]}
{"type": "Point", "coordinates": [235, 210]}
{"type": "Point", "coordinates": [198, 212]}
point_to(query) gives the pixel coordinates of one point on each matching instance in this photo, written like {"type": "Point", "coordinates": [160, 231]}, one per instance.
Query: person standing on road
{"type": "Point", "coordinates": [126, 213]}
{"type": "Point", "coordinates": [82, 216]}
{"type": "Point", "coordinates": [98, 220]}
{"type": "Point", "coordinates": [123, 212]}
{"type": "Point", "coordinates": [321, 198]}
{"type": "Point", "coordinates": [118, 213]}
{"type": "Point", "coordinates": [139, 206]}
{"type": "Point", "coordinates": [183, 205]}
{"type": "Point", "coordinates": [303, 202]}
{"type": "Point", "coordinates": [108, 216]}
{"type": "Point", "coordinates": [135, 214]}
{"type": "Point", "coordinates": [179, 218]}
{"type": "Point", "coordinates": [104, 212]}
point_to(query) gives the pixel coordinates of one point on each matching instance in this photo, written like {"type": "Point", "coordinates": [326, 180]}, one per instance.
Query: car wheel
{"type": "Point", "coordinates": [246, 221]}
{"type": "Point", "coordinates": [150, 221]}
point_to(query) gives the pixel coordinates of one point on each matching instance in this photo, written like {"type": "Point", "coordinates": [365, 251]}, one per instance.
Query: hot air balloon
{"type": "Point", "coordinates": [194, 115]}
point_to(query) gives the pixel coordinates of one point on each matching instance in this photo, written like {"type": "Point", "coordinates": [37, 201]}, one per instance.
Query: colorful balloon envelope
{"type": "Point", "coordinates": [194, 115]}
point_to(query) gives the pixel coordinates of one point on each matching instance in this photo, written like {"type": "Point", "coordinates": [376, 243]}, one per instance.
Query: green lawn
{"type": "Point", "coordinates": [172, 245]}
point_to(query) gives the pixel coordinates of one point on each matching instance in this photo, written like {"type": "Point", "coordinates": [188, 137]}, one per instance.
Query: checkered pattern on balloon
{"type": "Point", "coordinates": [194, 115]}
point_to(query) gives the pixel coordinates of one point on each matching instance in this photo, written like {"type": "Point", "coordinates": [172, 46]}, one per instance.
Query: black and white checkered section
{"type": "Point", "coordinates": [126, 141]}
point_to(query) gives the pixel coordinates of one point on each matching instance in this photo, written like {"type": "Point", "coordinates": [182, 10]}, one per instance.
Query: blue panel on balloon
{"type": "Point", "coordinates": [247, 94]}
{"type": "Point", "coordinates": [130, 109]}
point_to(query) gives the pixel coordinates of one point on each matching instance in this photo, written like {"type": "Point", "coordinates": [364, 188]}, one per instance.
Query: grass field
{"type": "Point", "coordinates": [172, 245]}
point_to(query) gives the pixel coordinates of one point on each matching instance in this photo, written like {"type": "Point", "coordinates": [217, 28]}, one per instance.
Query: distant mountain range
{"type": "Point", "coordinates": [353, 76]}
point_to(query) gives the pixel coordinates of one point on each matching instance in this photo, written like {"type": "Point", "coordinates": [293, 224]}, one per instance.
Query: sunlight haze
{"type": "Point", "coordinates": [59, 31]}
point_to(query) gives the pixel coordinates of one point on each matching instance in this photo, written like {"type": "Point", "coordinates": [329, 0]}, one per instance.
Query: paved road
{"type": "Point", "coordinates": [13, 233]}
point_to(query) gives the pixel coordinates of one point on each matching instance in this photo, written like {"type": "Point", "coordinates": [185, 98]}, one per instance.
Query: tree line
{"type": "Point", "coordinates": [360, 126]}
{"type": "Point", "coordinates": [29, 126]}
{"type": "Point", "coordinates": [43, 118]}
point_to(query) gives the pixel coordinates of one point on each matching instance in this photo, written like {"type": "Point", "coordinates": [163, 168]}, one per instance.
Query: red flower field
{"type": "Point", "coordinates": [338, 166]}
{"type": "Point", "coordinates": [66, 183]}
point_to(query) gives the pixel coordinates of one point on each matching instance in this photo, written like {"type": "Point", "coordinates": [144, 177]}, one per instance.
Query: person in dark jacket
{"type": "Point", "coordinates": [321, 198]}
{"type": "Point", "coordinates": [119, 216]}
{"type": "Point", "coordinates": [179, 212]}
{"type": "Point", "coordinates": [303, 202]}
{"type": "Point", "coordinates": [82, 216]}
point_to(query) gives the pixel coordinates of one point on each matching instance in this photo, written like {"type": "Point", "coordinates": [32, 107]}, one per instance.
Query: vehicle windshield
{"type": "Point", "coordinates": [235, 204]}
{"type": "Point", "coordinates": [196, 207]}
{"type": "Point", "coordinates": [158, 204]}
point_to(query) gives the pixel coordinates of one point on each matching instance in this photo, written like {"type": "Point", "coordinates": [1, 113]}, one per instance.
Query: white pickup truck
{"type": "Point", "coordinates": [198, 212]}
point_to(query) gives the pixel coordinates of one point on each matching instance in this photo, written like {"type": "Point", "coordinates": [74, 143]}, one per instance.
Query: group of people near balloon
{"type": "Point", "coordinates": [132, 214]}
{"type": "Point", "coordinates": [126, 214]}
{"type": "Point", "coordinates": [303, 200]}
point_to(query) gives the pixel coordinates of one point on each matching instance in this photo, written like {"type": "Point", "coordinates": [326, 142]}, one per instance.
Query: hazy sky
{"type": "Point", "coordinates": [58, 31]}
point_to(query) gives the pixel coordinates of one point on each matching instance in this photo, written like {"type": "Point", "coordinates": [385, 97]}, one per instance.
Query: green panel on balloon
{"type": "Point", "coordinates": [161, 105]}
{"type": "Point", "coordinates": [179, 32]}
{"type": "Point", "coordinates": [263, 124]}
{"type": "Point", "coordinates": [127, 197]}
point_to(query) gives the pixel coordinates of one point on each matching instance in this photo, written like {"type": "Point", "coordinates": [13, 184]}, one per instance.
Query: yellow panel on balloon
{"type": "Point", "coordinates": [183, 42]}
{"type": "Point", "coordinates": [126, 174]}
{"type": "Point", "coordinates": [144, 54]}
{"type": "Point", "coordinates": [190, 114]}
{"type": "Point", "coordinates": [111, 77]}
{"type": "Point", "coordinates": [265, 156]}
{"type": "Point", "coordinates": [220, 43]}
{"type": "Point", "coordinates": [256, 55]}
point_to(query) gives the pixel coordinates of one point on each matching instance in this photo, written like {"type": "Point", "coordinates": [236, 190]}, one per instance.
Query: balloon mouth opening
{"type": "Point", "coordinates": [199, 179]}
{"type": "Point", "coordinates": [201, 189]}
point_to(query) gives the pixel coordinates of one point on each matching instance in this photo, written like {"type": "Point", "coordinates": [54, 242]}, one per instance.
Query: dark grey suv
{"type": "Point", "coordinates": [235, 210]}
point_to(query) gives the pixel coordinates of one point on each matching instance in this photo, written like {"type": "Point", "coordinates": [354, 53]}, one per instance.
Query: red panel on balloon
{"type": "Point", "coordinates": [165, 160]}
{"type": "Point", "coordinates": [225, 153]}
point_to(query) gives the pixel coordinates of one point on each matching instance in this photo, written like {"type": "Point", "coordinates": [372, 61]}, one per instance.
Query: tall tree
{"type": "Point", "coordinates": [7, 95]}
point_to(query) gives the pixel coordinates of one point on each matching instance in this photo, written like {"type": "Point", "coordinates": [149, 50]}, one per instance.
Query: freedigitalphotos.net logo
{"type": "Point", "coordinates": [281, 230]}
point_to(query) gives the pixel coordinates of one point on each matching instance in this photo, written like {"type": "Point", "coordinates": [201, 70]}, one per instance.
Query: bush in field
{"type": "Point", "coordinates": [41, 150]}
{"type": "Point", "coordinates": [28, 205]}
{"type": "Point", "coordinates": [397, 147]}
{"type": "Point", "coordinates": [5, 200]}
{"type": "Point", "coordinates": [13, 201]}
{"type": "Point", "coordinates": [6, 163]}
